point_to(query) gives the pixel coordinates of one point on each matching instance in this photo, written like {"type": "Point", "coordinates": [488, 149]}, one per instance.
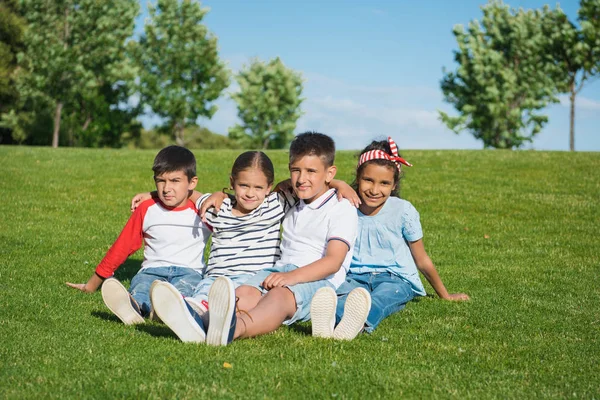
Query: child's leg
{"type": "Point", "coordinates": [389, 295]}
{"type": "Point", "coordinates": [278, 305]}
{"type": "Point", "coordinates": [353, 281]}
{"type": "Point", "coordinates": [141, 283]}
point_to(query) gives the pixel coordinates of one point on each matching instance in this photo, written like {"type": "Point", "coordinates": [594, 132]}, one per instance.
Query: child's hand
{"type": "Point", "coordinates": [80, 286]}
{"type": "Point", "coordinates": [345, 191]}
{"type": "Point", "coordinates": [138, 199]}
{"type": "Point", "coordinates": [276, 279]}
{"type": "Point", "coordinates": [214, 200]}
{"type": "Point", "coordinates": [457, 297]}
{"type": "Point", "coordinates": [90, 287]}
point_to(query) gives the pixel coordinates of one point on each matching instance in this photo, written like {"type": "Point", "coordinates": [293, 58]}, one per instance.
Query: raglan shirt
{"type": "Point", "coordinates": [249, 243]}
{"type": "Point", "coordinates": [171, 237]}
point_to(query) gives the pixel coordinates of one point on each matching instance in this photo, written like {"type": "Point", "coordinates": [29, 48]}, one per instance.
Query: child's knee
{"type": "Point", "coordinates": [248, 297]}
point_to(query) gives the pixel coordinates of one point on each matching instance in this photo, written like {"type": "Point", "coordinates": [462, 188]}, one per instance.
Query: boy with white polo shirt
{"type": "Point", "coordinates": [316, 250]}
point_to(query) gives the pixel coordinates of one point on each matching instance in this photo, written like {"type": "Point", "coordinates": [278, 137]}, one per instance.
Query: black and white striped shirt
{"type": "Point", "coordinates": [249, 243]}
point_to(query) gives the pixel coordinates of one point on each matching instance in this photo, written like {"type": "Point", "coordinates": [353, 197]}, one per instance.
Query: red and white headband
{"type": "Point", "coordinates": [382, 155]}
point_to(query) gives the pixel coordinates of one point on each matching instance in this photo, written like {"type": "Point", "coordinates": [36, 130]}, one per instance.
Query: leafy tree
{"type": "Point", "coordinates": [504, 77]}
{"type": "Point", "coordinates": [11, 41]}
{"type": "Point", "coordinates": [575, 51]}
{"type": "Point", "coordinates": [74, 50]}
{"type": "Point", "coordinates": [181, 73]}
{"type": "Point", "coordinates": [268, 104]}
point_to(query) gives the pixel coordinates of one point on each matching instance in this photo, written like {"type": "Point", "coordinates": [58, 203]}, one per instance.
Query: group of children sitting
{"type": "Point", "coordinates": [298, 251]}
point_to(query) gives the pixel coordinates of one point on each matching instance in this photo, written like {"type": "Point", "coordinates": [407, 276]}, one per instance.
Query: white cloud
{"type": "Point", "coordinates": [582, 103]}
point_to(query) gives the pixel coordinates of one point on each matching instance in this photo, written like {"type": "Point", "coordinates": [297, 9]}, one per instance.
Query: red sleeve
{"type": "Point", "coordinates": [128, 242]}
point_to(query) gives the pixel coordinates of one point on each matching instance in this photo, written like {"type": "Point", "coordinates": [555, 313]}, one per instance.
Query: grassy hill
{"type": "Point", "coordinates": [518, 231]}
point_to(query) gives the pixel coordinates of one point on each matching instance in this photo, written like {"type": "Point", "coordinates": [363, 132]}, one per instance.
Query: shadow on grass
{"type": "Point", "coordinates": [304, 328]}
{"type": "Point", "coordinates": [153, 329]}
{"type": "Point", "coordinates": [156, 330]}
{"type": "Point", "coordinates": [127, 270]}
{"type": "Point", "coordinates": [106, 316]}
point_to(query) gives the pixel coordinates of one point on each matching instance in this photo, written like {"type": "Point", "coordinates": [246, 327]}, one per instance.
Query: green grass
{"type": "Point", "coordinates": [518, 231]}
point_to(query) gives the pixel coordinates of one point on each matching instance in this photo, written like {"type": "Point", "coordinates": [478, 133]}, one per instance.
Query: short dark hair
{"type": "Point", "coordinates": [256, 159]}
{"type": "Point", "coordinates": [384, 146]}
{"type": "Point", "coordinates": [313, 144]}
{"type": "Point", "coordinates": [175, 158]}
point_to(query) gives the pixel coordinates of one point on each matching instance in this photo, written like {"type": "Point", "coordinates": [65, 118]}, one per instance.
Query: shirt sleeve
{"type": "Point", "coordinates": [129, 241]}
{"type": "Point", "coordinates": [287, 199]}
{"type": "Point", "coordinates": [343, 224]}
{"type": "Point", "coordinates": [411, 223]}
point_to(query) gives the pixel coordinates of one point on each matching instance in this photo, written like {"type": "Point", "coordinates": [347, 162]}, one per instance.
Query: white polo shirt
{"type": "Point", "coordinates": [308, 228]}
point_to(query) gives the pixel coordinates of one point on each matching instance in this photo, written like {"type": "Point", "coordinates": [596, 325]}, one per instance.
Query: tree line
{"type": "Point", "coordinates": [73, 73]}
{"type": "Point", "coordinates": [514, 63]}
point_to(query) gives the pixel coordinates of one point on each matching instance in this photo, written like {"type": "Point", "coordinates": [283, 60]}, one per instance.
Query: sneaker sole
{"type": "Point", "coordinates": [356, 311]}
{"type": "Point", "coordinates": [322, 312]}
{"type": "Point", "coordinates": [221, 303]}
{"type": "Point", "coordinates": [117, 299]}
{"type": "Point", "coordinates": [170, 307]}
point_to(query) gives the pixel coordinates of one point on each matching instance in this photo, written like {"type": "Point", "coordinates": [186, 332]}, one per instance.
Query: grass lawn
{"type": "Point", "coordinates": [518, 231]}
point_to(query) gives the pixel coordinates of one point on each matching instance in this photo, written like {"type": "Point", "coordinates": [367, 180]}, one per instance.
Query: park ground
{"type": "Point", "coordinates": [518, 231]}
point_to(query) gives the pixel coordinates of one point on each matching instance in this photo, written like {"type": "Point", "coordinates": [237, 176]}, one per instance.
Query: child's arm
{"type": "Point", "coordinates": [128, 242]}
{"type": "Point", "coordinates": [91, 286]}
{"type": "Point", "coordinates": [345, 191]}
{"type": "Point", "coordinates": [426, 267]}
{"type": "Point", "coordinates": [315, 271]}
{"type": "Point", "coordinates": [214, 200]}
{"type": "Point", "coordinates": [141, 197]}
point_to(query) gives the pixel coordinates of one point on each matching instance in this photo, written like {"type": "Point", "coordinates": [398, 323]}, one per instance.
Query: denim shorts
{"type": "Point", "coordinates": [303, 292]}
{"type": "Point", "coordinates": [201, 292]}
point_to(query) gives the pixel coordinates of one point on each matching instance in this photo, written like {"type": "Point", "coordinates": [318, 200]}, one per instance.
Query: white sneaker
{"type": "Point", "coordinates": [175, 312]}
{"type": "Point", "coordinates": [119, 301]}
{"type": "Point", "coordinates": [198, 306]}
{"type": "Point", "coordinates": [356, 311]}
{"type": "Point", "coordinates": [322, 312]}
{"type": "Point", "coordinates": [221, 312]}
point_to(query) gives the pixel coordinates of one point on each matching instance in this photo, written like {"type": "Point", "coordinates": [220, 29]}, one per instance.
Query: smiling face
{"type": "Point", "coordinates": [375, 185]}
{"type": "Point", "coordinates": [173, 188]}
{"type": "Point", "coordinates": [251, 186]}
{"type": "Point", "coordinates": [310, 177]}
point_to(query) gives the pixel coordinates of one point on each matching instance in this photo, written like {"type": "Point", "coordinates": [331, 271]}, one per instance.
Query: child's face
{"type": "Point", "coordinates": [251, 187]}
{"type": "Point", "coordinates": [310, 177]}
{"type": "Point", "coordinates": [375, 185]}
{"type": "Point", "coordinates": [173, 188]}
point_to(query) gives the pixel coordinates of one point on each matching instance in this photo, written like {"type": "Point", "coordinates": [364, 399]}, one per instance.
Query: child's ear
{"type": "Point", "coordinates": [193, 183]}
{"type": "Point", "coordinates": [331, 171]}
{"type": "Point", "coordinates": [231, 182]}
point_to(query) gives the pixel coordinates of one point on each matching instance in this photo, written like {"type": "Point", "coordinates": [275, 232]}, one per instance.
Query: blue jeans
{"type": "Point", "coordinates": [183, 278]}
{"type": "Point", "coordinates": [389, 294]}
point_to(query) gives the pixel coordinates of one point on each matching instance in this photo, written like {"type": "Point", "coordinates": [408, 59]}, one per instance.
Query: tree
{"type": "Point", "coordinates": [503, 79]}
{"type": "Point", "coordinates": [181, 73]}
{"type": "Point", "coordinates": [268, 105]}
{"type": "Point", "coordinates": [575, 51]}
{"type": "Point", "coordinates": [74, 49]}
{"type": "Point", "coordinates": [11, 42]}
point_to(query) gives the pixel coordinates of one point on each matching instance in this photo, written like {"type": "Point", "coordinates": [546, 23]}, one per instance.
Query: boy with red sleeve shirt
{"type": "Point", "coordinates": [173, 235]}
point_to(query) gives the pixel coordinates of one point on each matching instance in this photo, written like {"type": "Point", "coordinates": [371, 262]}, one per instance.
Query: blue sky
{"type": "Point", "coordinates": [373, 68]}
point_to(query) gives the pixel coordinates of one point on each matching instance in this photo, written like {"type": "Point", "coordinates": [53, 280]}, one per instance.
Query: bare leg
{"type": "Point", "coordinates": [248, 297]}
{"type": "Point", "coordinates": [273, 308]}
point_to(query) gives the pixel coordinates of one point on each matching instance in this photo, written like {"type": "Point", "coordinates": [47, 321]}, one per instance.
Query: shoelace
{"type": "Point", "coordinates": [239, 310]}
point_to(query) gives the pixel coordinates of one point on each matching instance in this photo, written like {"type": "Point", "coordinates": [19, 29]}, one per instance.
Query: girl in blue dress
{"type": "Point", "coordinates": [388, 253]}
